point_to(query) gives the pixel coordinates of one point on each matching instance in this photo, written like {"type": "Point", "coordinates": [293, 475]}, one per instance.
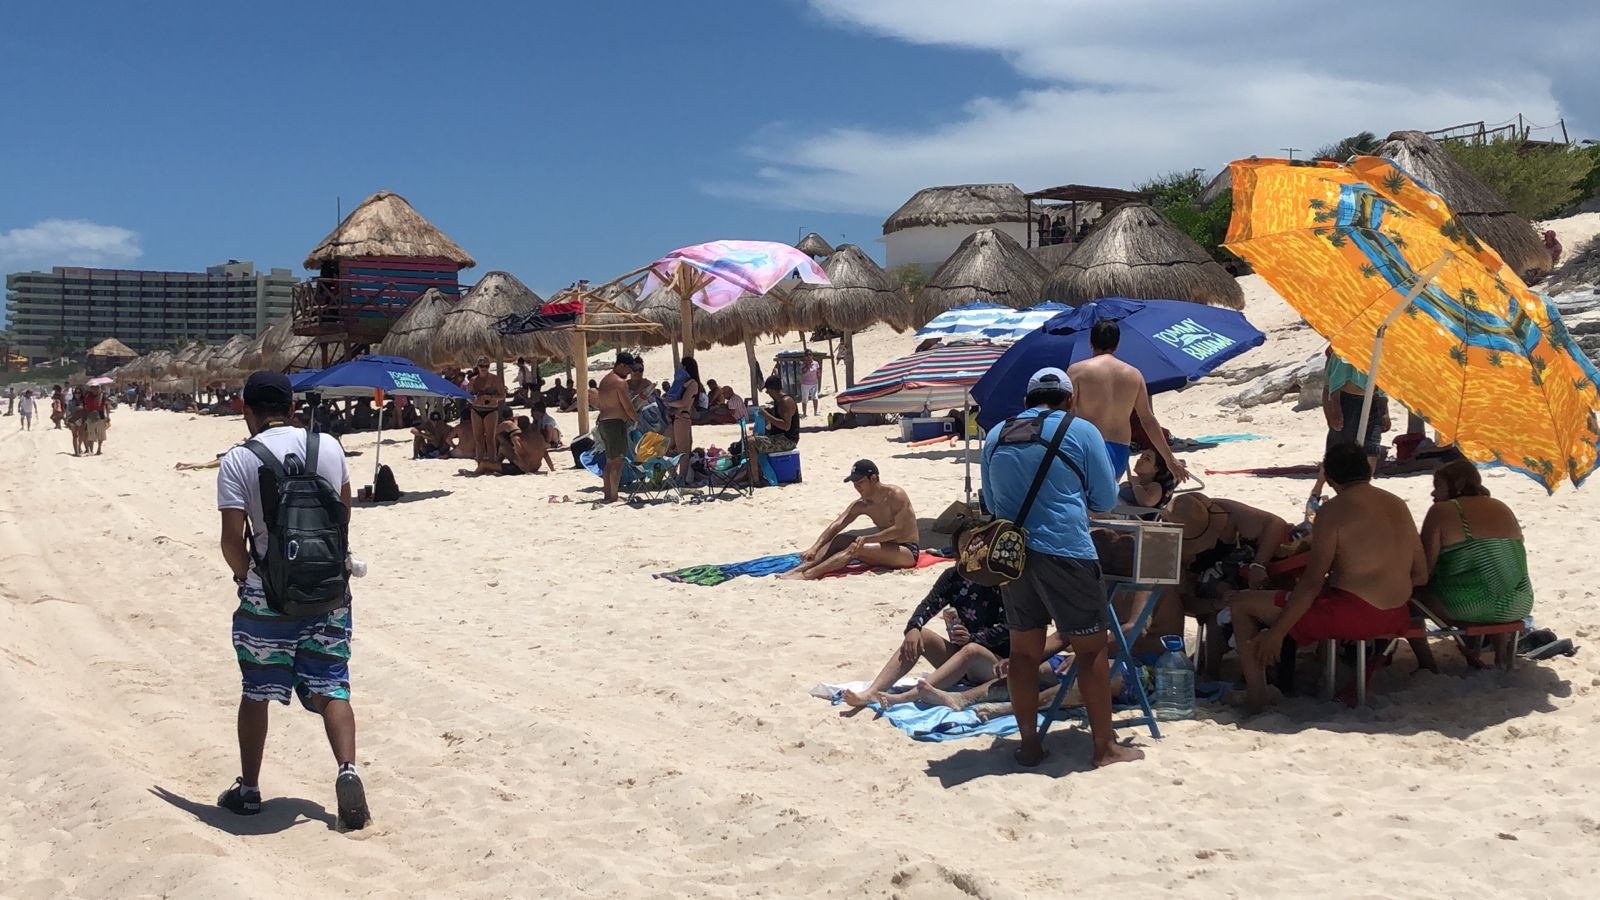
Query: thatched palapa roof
{"type": "Point", "coordinates": [282, 349]}
{"type": "Point", "coordinates": [111, 348]}
{"type": "Point", "coordinates": [859, 294]}
{"type": "Point", "coordinates": [412, 335]}
{"type": "Point", "coordinates": [814, 245]}
{"type": "Point", "coordinates": [960, 204]}
{"type": "Point", "coordinates": [1051, 255]}
{"type": "Point", "coordinates": [386, 225]}
{"type": "Point", "coordinates": [466, 332]}
{"type": "Point", "coordinates": [1136, 253]}
{"type": "Point", "coordinates": [989, 266]}
{"type": "Point", "coordinates": [751, 316]}
{"type": "Point", "coordinates": [1475, 205]}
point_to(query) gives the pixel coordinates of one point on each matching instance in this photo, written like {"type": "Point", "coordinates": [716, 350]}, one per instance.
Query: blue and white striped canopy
{"type": "Point", "coordinates": [980, 321]}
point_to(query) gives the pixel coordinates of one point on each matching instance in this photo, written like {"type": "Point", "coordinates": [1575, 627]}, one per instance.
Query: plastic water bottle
{"type": "Point", "coordinates": [1174, 699]}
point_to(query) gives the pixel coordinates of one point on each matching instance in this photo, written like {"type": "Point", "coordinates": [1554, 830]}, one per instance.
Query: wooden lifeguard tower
{"type": "Point", "coordinates": [380, 258]}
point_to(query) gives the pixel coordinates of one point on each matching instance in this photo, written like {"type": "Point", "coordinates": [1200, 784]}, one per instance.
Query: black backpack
{"type": "Point", "coordinates": [302, 568]}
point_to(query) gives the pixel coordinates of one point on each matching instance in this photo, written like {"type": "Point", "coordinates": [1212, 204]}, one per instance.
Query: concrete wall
{"type": "Point", "coordinates": [930, 246]}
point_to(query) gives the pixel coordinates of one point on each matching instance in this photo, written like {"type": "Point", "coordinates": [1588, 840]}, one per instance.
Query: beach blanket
{"type": "Point", "coordinates": [924, 560]}
{"type": "Point", "coordinates": [1214, 439]}
{"type": "Point", "coordinates": [713, 574]}
{"type": "Point", "coordinates": [1266, 470]}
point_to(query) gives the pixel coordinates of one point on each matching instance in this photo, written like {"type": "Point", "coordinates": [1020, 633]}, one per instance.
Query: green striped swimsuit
{"type": "Point", "coordinates": [1482, 580]}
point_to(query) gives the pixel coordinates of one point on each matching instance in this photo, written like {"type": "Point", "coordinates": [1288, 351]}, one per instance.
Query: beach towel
{"type": "Point", "coordinates": [714, 574]}
{"type": "Point", "coordinates": [924, 560]}
{"type": "Point", "coordinates": [1266, 470]}
{"type": "Point", "coordinates": [1214, 439]}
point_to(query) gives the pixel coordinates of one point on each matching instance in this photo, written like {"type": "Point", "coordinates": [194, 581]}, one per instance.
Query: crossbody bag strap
{"type": "Point", "coordinates": [1052, 450]}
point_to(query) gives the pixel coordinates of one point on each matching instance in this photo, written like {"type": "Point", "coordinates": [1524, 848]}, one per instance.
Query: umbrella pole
{"type": "Point", "coordinates": [377, 452]}
{"type": "Point", "coordinates": [1377, 344]}
{"type": "Point", "coordinates": [750, 357]}
{"type": "Point", "coordinates": [580, 359]}
{"type": "Point", "coordinates": [966, 439]}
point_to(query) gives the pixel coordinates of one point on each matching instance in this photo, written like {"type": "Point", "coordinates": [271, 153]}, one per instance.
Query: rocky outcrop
{"type": "Point", "coordinates": [1302, 380]}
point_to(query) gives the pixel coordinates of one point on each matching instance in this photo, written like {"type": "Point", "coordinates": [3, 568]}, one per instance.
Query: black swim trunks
{"type": "Point", "coordinates": [916, 550]}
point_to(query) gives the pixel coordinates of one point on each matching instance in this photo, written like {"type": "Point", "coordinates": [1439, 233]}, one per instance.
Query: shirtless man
{"type": "Point", "coordinates": [1109, 393]}
{"type": "Point", "coordinates": [894, 544]}
{"type": "Point", "coordinates": [488, 391]}
{"type": "Point", "coordinates": [525, 446]}
{"type": "Point", "coordinates": [615, 413]}
{"type": "Point", "coordinates": [1366, 559]}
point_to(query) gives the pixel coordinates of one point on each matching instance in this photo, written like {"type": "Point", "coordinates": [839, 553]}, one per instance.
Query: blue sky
{"type": "Point", "coordinates": [566, 141]}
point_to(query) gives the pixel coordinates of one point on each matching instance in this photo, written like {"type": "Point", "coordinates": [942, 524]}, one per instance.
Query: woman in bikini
{"type": "Point", "coordinates": [488, 391]}
{"type": "Point", "coordinates": [680, 408]}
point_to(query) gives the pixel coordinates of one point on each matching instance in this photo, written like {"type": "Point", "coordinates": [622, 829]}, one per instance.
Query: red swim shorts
{"type": "Point", "coordinates": [1342, 616]}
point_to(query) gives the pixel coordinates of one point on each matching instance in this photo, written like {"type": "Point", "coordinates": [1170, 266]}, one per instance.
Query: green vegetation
{"type": "Point", "coordinates": [44, 375]}
{"type": "Point", "coordinates": [1362, 143]}
{"type": "Point", "coordinates": [1176, 195]}
{"type": "Point", "coordinates": [1536, 181]}
{"type": "Point", "coordinates": [910, 277]}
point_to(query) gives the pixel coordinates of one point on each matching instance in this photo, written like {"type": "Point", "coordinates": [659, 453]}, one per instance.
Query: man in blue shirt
{"type": "Point", "coordinates": [1061, 579]}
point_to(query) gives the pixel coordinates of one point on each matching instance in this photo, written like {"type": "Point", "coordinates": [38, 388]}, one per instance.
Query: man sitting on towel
{"type": "Point", "coordinates": [895, 543]}
{"type": "Point", "coordinates": [1366, 559]}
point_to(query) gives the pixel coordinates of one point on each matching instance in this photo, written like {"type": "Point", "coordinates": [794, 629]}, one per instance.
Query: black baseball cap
{"type": "Point", "coordinates": [862, 469]}
{"type": "Point", "coordinates": [625, 358]}
{"type": "Point", "coordinates": [268, 387]}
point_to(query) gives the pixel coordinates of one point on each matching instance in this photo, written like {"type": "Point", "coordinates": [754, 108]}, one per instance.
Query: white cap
{"type": "Point", "coordinates": [1049, 378]}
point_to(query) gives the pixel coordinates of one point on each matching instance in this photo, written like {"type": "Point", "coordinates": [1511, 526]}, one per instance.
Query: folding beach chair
{"type": "Point", "coordinates": [1124, 657]}
{"type": "Point", "coordinates": [649, 475]}
{"type": "Point", "coordinates": [734, 481]}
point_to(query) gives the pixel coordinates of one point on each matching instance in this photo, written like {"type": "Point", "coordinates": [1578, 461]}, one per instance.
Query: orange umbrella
{"type": "Point", "coordinates": [1380, 266]}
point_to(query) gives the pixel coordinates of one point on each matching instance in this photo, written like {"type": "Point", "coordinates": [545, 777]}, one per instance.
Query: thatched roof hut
{"type": "Point", "coordinates": [752, 316]}
{"type": "Point", "coordinates": [412, 335]}
{"type": "Point", "coordinates": [1135, 252]}
{"type": "Point", "coordinates": [467, 333]}
{"type": "Point", "coordinates": [224, 364]}
{"type": "Point", "coordinates": [386, 225]}
{"type": "Point", "coordinates": [960, 204]}
{"type": "Point", "coordinates": [814, 245]}
{"type": "Point", "coordinates": [282, 349]}
{"type": "Point", "coordinates": [1475, 205]}
{"type": "Point", "coordinates": [1051, 256]}
{"type": "Point", "coordinates": [111, 348]}
{"type": "Point", "coordinates": [989, 266]}
{"type": "Point", "coordinates": [859, 294]}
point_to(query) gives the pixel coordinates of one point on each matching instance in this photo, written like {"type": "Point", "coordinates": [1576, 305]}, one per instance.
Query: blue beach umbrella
{"type": "Point", "coordinates": [989, 321]}
{"type": "Point", "coordinates": [1171, 342]}
{"type": "Point", "coordinates": [361, 376]}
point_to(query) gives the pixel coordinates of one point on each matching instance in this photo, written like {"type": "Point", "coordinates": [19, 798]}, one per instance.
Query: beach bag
{"type": "Point", "coordinates": [384, 488]}
{"type": "Point", "coordinates": [995, 552]}
{"type": "Point", "coordinates": [302, 567]}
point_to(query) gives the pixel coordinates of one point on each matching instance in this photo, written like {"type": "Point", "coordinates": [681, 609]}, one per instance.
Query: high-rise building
{"type": "Point", "coordinates": [70, 308]}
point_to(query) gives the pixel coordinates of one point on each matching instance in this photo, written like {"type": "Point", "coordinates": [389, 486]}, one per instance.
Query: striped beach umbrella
{"type": "Point", "coordinates": [933, 379]}
{"type": "Point", "coordinates": [989, 321]}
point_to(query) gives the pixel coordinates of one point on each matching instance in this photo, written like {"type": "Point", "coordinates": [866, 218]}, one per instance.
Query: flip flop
{"type": "Point", "coordinates": [1563, 647]}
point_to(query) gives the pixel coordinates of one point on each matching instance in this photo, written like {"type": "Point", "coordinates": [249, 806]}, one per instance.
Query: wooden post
{"type": "Point", "coordinates": [677, 358]}
{"type": "Point", "coordinates": [750, 357]}
{"type": "Point", "coordinates": [580, 381]}
{"type": "Point", "coordinates": [686, 309]}
{"type": "Point", "coordinates": [833, 365]}
{"type": "Point", "coordinates": [848, 351]}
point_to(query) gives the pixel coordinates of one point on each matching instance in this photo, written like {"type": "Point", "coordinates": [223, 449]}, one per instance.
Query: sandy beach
{"type": "Point", "coordinates": [540, 717]}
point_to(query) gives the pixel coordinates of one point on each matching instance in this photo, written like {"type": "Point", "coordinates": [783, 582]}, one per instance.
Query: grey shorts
{"type": "Point", "coordinates": [1057, 589]}
{"type": "Point", "coordinates": [1350, 406]}
{"type": "Point", "coordinates": [612, 436]}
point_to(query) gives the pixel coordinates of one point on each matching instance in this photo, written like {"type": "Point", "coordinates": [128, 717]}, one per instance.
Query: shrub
{"type": "Point", "coordinates": [1535, 181]}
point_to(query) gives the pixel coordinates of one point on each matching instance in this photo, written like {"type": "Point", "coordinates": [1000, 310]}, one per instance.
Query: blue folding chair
{"type": "Point", "coordinates": [1123, 657]}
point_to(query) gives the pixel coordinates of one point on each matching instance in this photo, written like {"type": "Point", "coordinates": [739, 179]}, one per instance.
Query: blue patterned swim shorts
{"type": "Point", "coordinates": [279, 654]}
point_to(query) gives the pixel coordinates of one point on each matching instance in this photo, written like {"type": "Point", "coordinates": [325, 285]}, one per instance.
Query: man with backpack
{"type": "Point", "coordinates": [1046, 470]}
{"type": "Point", "coordinates": [284, 496]}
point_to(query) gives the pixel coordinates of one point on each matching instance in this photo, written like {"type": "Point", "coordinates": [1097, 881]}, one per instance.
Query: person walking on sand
{"type": "Point", "coordinates": [1061, 578]}
{"type": "Point", "coordinates": [95, 418]}
{"type": "Point", "coordinates": [58, 407]}
{"type": "Point", "coordinates": [279, 654]}
{"type": "Point", "coordinates": [11, 400]}
{"type": "Point", "coordinates": [25, 408]}
{"type": "Point", "coordinates": [894, 545]}
{"type": "Point", "coordinates": [810, 381]}
{"type": "Point", "coordinates": [614, 415]}
{"type": "Point", "coordinates": [1109, 393]}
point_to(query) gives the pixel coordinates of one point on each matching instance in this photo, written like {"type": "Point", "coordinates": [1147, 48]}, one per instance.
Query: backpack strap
{"type": "Point", "coordinates": [1052, 450]}
{"type": "Point", "coordinates": [311, 451]}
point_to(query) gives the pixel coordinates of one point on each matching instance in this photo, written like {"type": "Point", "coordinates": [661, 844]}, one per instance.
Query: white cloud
{"type": "Point", "coordinates": [67, 242]}
{"type": "Point", "coordinates": [1129, 90]}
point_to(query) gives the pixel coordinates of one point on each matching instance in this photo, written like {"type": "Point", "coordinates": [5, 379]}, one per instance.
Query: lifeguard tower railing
{"type": "Point", "coordinates": [360, 298]}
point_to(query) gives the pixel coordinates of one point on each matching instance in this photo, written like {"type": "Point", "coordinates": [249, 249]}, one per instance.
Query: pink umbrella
{"type": "Point", "coordinates": [715, 274]}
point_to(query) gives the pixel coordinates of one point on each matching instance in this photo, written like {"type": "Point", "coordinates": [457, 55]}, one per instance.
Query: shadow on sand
{"type": "Point", "coordinates": [276, 815]}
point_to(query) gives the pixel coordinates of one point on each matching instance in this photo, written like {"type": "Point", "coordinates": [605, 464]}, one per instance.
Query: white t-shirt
{"type": "Point", "coordinates": [238, 481]}
{"type": "Point", "coordinates": [25, 406]}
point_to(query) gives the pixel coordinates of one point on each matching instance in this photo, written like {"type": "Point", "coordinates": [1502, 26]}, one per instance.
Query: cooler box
{"type": "Point", "coordinates": [924, 429]}
{"type": "Point", "coordinates": [786, 466]}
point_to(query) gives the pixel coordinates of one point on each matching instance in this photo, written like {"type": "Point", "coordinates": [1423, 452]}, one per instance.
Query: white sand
{"type": "Point", "coordinates": [541, 718]}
